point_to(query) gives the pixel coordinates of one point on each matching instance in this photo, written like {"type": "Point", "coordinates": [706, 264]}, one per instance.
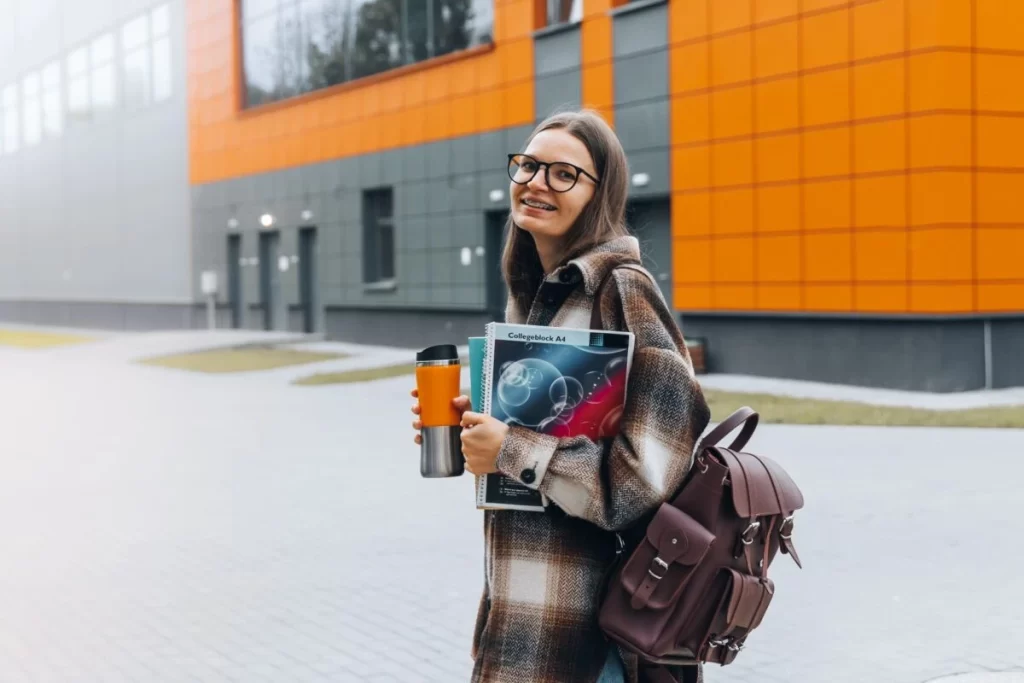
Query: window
{"type": "Point", "coordinates": [161, 18]}
{"type": "Point", "coordinates": [146, 60]}
{"type": "Point", "coordinates": [296, 46]}
{"type": "Point", "coordinates": [378, 236]}
{"type": "Point", "coordinates": [102, 84]}
{"type": "Point", "coordinates": [53, 120]}
{"type": "Point", "coordinates": [78, 84]}
{"type": "Point", "coordinates": [11, 131]}
{"type": "Point", "coordinates": [32, 110]}
{"type": "Point", "coordinates": [564, 11]}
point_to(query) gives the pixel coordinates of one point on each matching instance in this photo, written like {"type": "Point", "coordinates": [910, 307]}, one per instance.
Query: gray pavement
{"type": "Point", "coordinates": [163, 526]}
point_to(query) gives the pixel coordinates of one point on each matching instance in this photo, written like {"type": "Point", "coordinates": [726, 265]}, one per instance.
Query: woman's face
{"type": "Point", "coordinates": [536, 207]}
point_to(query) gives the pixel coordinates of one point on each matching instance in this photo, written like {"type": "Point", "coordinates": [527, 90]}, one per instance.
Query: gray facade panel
{"type": "Point", "coordinates": [439, 231]}
{"type": "Point", "coordinates": [557, 91]}
{"type": "Point", "coordinates": [439, 159]}
{"type": "Point", "coordinates": [641, 77]}
{"type": "Point", "coordinates": [643, 126]}
{"type": "Point", "coordinates": [468, 229]}
{"type": "Point", "coordinates": [391, 170]}
{"type": "Point", "coordinates": [439, 196]}
{"type": "Point", "coordinates": [412, 329]}
{"type": "Point", "coordinates": [655, 163]}
{"type": "Point", "coordinates": [413, 273]}
{"type": "Point", "coordinates": [515, 139]}
{"type": "Point", "coordinates": [413, 232]}
{"type": "Point", "coordinates": [465, 195]}
{"type": "Point", "coordinates": [414, 162]}
{"type": "Point", "coordinates": [129, 317]}
{"type": "Point", "coordinates": [1007, 351]}
{"type": "Point", "coordinates": [370, 174]}
{"type": "Point", "coordinates": [413, 198]}
{"type": "Point", "coordinates": [640, 31]}
{"type": "Point", "coordinates": [330, 239]}
{"type": "Point", "coordinates": [490, 181]}
{"type": "Point", "coordinates": [556, 52]}
{"type": "Point", "coordinates": [464, 155]}
{"type": "Point", "coordinates": [314, 178]}
{"type": "Point", "coordinates": [491, 152]}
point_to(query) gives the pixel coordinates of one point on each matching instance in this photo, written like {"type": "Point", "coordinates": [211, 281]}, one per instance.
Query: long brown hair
{"type": "Point", "coordinates": [602, 219]}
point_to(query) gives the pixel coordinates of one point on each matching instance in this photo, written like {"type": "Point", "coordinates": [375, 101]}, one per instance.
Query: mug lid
{"type": "Point", "coordinates": [439, 352]}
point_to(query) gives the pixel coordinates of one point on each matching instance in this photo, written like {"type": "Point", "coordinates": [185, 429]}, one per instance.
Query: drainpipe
{"type": "Point", "coordinates": [988, 354]}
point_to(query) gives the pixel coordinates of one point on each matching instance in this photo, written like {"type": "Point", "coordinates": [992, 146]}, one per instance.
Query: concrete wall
{"type": "Point", "coordinates": [100, 212]}
{"type": "Point", "coordinates": [918, 354]}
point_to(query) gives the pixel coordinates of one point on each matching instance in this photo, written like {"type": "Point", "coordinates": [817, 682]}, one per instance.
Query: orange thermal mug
{"type": "Point", "coordinates": [438, 376]}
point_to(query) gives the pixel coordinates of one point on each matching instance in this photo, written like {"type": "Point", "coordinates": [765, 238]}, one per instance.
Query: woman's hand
{"type": "Point", "coordinates": [461, 404]}
{"type": "Point", "coordinates": [481, 440]}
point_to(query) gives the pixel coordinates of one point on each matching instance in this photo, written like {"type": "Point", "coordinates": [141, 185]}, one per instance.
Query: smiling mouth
{"type": "Point", "coordinates": [538, 205]}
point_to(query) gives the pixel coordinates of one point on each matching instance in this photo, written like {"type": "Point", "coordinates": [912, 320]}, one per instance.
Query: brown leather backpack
{"type": "Point", "coordinates": [696, 584]}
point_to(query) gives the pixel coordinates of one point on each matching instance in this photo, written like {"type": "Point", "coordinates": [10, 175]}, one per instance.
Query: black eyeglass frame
{"type": "Point", "coordinates": [547, 171]}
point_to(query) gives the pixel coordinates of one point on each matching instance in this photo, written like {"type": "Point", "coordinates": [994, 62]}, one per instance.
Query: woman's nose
{"type": "Point", "coordinates": [538, 182]}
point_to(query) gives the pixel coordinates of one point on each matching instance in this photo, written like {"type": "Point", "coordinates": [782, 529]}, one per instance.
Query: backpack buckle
{"type": "Point", "coordinates": [662, 564]}
{"type": "Point", "coordinates": [748, 534]}
{"type": "Point", "coordinates": [788, 521]}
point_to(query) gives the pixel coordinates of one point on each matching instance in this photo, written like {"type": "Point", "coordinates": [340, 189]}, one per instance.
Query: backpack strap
{"type": "Point", "coordinates": [744, 416]}
{"type": "Point", "coordinates": [596, 323]}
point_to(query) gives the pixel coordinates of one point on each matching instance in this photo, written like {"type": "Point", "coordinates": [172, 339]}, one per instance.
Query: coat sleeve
{"type": "Point", "coordinates": [614, 482]}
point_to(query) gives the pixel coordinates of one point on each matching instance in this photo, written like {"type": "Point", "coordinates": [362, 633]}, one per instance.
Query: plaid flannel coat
{"type": "Point", "coordinates": [537, 619]}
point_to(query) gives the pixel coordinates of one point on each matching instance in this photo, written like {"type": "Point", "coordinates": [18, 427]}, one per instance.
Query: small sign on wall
{"type": "Point", "coordinates": [208, 282]}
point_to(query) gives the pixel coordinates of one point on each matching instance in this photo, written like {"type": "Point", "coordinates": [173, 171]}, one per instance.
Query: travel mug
{"type": "Point", "coordinates": [438, 376]}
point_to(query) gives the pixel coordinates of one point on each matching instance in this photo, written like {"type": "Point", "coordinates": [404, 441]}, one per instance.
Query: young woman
{"type": "Point", "coordinates": [537, 621]}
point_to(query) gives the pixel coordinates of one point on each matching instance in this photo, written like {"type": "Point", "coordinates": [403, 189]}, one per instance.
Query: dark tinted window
{"type": "Point", "coordinates": [296, 46]}
{"type": "Point", "coordinates": [378, 236]}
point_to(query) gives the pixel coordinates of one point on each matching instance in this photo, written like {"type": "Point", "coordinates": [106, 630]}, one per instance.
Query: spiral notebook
{"type": "Point", "coordinates": [557, 381]}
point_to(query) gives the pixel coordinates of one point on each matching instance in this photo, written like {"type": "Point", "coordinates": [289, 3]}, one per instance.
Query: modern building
{"type": "Point", "coordinates": [826, 189]}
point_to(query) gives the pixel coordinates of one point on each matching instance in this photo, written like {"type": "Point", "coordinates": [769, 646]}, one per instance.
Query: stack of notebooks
{"type": "Point", "coordinates": [562, 382]}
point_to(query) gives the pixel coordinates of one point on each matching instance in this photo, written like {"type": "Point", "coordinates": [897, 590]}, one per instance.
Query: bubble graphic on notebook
{"type": "Point", "coordinates": [524, 390]}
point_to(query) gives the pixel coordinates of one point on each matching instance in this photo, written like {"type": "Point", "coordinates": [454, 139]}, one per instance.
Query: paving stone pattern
{"type": "Point", "coordinates": [163, 526]}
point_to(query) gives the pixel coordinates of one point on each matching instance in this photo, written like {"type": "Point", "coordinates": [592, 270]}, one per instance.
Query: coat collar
{"type": "Point", "coordinates": [597, 262]}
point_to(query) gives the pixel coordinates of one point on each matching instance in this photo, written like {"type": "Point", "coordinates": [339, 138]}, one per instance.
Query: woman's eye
{"type": "Point", "coordinates": [566, 175]}
{"type": "Point", "coordinates": [528, 166]}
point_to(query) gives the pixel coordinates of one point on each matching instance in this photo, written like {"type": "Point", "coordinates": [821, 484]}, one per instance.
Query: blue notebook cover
{"type": "Point", "coordinates": [476, 372]}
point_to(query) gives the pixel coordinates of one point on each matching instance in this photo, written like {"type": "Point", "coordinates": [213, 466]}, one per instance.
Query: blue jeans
{"type": "Point", "coordinates": [612, 671]}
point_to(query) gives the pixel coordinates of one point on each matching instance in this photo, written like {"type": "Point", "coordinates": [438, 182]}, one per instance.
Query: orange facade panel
{"type": "Point", "coordinates": [863, 154]}
{"type": "Point", "coordinates": [482, 89]}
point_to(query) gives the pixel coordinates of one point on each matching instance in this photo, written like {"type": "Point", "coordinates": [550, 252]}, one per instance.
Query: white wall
{"type": "Point", "coordinates": [99, 212]}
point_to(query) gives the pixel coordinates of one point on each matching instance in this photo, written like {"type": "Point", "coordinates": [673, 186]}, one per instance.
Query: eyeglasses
{"type": "Point", "coordinates": [560, 176]}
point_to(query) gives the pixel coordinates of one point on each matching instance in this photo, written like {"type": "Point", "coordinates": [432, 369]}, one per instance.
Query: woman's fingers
{"type": "Point", "coordinates": [418, 440]}
{"type": "Point", "coordinates": [415, 393]}
{"type": "Point", "coordinates": [417, 424]}
{"type": "Point", "coordinates": [415, 409]}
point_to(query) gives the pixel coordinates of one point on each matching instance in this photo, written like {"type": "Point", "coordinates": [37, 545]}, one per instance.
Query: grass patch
{"type": "Point", "coordinates": [787, 410]}
{"type": "Point", "coordinates": [30, 339]}
{"type": "Point", "coordinates": [240, 359]}
{"type": "Point", "coordinates": [353, 376]}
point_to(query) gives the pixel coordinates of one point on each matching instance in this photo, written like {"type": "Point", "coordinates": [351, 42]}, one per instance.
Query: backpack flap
{"type": "Point", "coordinates": [759, 486]}
{"type": "Point", "coordinates": [665, 560]}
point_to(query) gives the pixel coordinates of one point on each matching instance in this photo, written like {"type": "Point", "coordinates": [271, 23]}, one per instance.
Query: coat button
{"type": "Point", "coordinates": [565, 276]}
{"type": "Point", "coordinates": [528, 476]}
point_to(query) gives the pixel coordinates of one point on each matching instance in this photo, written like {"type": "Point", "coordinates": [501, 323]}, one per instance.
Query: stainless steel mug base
{"type": "Point", "coordinates": [441, 452]}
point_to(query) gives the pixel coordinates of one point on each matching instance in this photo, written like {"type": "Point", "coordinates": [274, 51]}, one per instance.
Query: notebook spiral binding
{"type": "Point", "coordinates": [481, 481]}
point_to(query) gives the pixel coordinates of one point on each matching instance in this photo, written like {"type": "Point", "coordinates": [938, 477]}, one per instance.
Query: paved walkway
{"type": "Point", "coordinates": [165, 526]}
